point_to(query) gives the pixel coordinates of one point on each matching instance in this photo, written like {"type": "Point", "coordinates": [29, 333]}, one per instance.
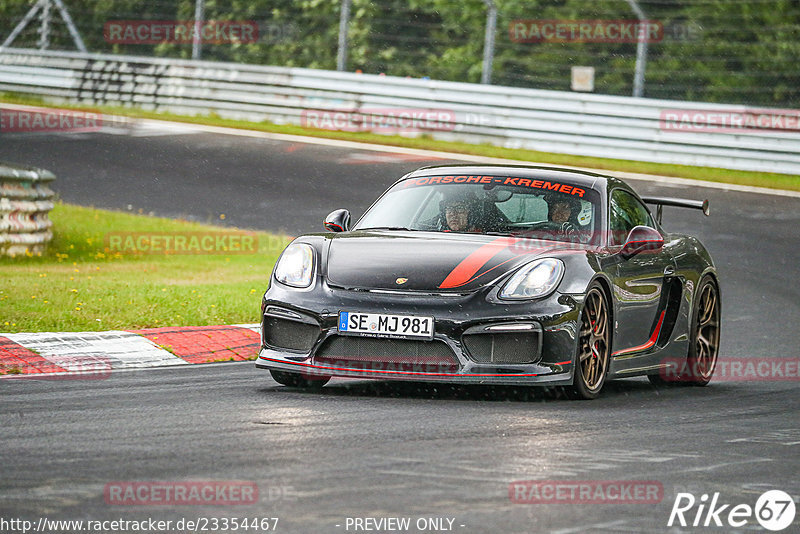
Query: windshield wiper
{"type": "Point", "coordinates": [516, 233]}
{"type": "Point", "coordinates": [388, 228]}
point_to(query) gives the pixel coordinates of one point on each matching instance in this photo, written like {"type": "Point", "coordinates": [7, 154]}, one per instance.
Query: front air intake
{"type": "Point", "coordinates": [388, 355]}
{"type": "Point", "coordinates": [504, 348]}
{"type": "Point", "coordinates": [290, 335]}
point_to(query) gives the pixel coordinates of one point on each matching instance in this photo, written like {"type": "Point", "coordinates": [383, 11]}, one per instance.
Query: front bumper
{"type": "Point", "coordinates": [554, 319]}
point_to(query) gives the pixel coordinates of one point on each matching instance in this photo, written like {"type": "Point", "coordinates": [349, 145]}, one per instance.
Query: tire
{"type": "Point", "coordinates": [704, 334]}
{"type": "Point", "coordinates": [594, 347]}
{"type": "Point", "coordinates": [296, 380]}
{"type": "Point", "coordinates": [704, 331]}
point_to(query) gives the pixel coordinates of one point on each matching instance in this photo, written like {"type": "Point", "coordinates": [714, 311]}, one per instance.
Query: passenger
{"type": "Point", "coordinates": [560, 211]}
{"type": "Point", "coordinates": [563, 213]}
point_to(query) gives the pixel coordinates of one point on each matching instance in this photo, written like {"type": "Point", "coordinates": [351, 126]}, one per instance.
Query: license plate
{"type": "Point", "coordinates": [383, 325]}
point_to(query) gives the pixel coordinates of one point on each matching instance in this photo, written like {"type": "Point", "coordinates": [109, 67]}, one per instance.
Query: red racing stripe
{"type": "Point", "coordinates": [464, 271]}
{"type": "Point", "coordinates": [649, 343]}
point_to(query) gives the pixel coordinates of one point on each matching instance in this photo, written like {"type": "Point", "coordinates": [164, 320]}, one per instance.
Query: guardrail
{"type": "Point", "coordinates": [25, 201]}
{"type": "Point", "coordinates": [548, 121]}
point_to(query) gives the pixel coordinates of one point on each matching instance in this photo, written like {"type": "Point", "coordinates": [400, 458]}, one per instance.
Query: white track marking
{"type": "Point", "coordinates": [115, 348]}
{"type": "Point", "coordinates": [254, 327]}
{"type": "Point", "coordinates": [359, 158]}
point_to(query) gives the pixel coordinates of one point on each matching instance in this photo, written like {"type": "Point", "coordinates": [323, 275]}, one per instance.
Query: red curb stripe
{"type": "Point", "coordinates": [14, 356]}
{"type": "Point", "coordinates": [204, 344]}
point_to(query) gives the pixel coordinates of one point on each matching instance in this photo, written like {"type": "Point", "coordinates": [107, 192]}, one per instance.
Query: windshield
{"type": "Point", "coordinates": [505, 205]}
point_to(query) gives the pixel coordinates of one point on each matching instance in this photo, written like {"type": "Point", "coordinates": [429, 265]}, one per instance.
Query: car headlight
{"type": "Point", "coordinates": [536, 279]}
{"type": "Point", "coordinates": [296, 266]}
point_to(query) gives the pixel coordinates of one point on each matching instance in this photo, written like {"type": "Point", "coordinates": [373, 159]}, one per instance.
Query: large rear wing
{"type": "Point", "coordinates": [660, 202]}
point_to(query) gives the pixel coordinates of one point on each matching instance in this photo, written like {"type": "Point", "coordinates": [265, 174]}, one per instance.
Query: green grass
{"type": "Point", "coordinates": [80, 284]}
{"type": "Point", "coordinates": [760, 179]}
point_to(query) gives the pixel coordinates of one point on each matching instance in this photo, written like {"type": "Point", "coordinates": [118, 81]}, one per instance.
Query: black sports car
{"type": "Point", "coordinates": [496, 275]}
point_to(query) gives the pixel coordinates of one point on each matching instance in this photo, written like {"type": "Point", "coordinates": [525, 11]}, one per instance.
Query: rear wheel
{"type": "Point", "coordinates": [701, 360]}
{"type": "Point", "coordinates": [704, 350]}
{"type": "Point", "coordinates": [591, 363]}
{"type": "Point", "coordinates": [296, 380]}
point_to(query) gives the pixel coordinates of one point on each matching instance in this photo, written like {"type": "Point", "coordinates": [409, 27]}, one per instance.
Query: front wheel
{"type": "Point", "coordinates": [591, 362]}
{"type": "Point", "coordinates": [296, 380]}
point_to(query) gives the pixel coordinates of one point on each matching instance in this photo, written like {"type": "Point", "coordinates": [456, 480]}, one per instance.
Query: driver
{"type": "Point", "coordinates": [458, 212]}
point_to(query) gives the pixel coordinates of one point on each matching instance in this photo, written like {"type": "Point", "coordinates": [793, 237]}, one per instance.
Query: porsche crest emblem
{"type": "Point", "coordinates": [401, 281]}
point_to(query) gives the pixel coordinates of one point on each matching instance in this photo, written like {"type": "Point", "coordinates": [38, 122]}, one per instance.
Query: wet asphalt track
{"type": "Point", "coordinates": [376, 449]}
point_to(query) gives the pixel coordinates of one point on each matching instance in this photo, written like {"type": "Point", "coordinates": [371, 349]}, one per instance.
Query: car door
{"type": "Point", "coordinates": [639, 283]}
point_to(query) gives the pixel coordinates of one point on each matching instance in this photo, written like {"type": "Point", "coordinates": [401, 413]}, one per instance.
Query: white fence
{"type": "Point", "coordinates": [548, 121]}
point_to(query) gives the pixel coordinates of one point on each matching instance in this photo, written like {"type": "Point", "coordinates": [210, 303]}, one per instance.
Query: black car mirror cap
{"type": "Point", "coordinates": [498, 196]}
{"type": "Point", "coordinates": [337, 221]}
{"type": "Point", "coordinates": [641, 239]}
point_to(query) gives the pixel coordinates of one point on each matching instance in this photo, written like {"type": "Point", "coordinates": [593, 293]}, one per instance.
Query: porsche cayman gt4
{"type": "Point", "coordinates": [479, 274]}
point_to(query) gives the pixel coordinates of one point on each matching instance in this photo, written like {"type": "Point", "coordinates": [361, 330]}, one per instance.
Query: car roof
{"type": "Point", "coordinates": [580, 177]}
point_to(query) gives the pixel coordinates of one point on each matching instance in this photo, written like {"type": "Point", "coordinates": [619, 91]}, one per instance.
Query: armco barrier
{"type": "Point", "coordinates": [548, 121]}
{"type": "Point", "coordinates": [25, 201]}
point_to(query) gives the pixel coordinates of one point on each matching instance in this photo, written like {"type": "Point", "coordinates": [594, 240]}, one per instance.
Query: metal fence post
{"type": "Point", "coordinates": [44, 29]}
{"type": "Point", "coordinates": [199, 14]}
{"type": "Point", "coordinates": [488, 43]}
{"type": "Point", "coordinates": [344, 19]}
{"type": "Point", "coordinates": [641, 52]}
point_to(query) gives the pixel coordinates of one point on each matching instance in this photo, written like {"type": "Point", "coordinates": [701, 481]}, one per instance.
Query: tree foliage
{"type": "Point", "coordinates": [736, 51]}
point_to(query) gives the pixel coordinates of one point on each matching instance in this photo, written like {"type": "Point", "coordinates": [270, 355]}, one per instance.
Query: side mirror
{"type": "Point", "coordinates": [641, 239]}
{"type": "Point", "coordinates": [337, 221]}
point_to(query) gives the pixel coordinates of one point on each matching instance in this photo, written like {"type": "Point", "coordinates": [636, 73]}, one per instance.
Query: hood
{"type": "Point", "coordinates": [430, 261]}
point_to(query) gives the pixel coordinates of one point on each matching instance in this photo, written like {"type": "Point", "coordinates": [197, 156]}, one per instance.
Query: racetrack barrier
{"type": "Point", "coordinates": [25, 201]}
{"type": "Point", "coordinates": [664, 131]}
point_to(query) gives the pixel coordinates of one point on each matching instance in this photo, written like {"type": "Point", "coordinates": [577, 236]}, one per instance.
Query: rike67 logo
{"type": "Point", "coordinates": [774, 510]}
